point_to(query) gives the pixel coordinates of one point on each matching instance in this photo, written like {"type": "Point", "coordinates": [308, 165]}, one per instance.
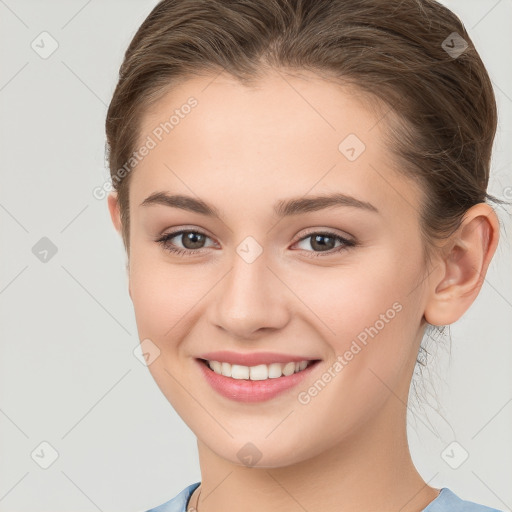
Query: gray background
{"type": "Point", "coordinates": [68, 373]}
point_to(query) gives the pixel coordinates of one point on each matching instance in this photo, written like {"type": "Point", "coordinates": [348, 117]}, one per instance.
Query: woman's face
{"type": "Point", "coordinates": [253, 280]}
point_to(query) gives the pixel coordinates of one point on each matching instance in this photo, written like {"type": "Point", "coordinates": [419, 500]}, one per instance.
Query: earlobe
{"type": "Point", "coordinates": [113, 206]}
{"type": "Point", "coordinates": [463, 266]}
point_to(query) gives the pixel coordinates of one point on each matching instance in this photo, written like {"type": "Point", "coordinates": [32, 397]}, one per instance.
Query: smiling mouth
{"type": "Point", "coordinates": [258, 372]}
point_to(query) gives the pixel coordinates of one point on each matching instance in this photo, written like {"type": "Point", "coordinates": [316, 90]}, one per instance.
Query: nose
{"type": "Point", "coordinates": [250, 300]}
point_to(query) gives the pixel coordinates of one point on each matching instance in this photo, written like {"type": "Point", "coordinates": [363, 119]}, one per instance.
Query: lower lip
{"type": "Point", "coordinates": [244, 390]}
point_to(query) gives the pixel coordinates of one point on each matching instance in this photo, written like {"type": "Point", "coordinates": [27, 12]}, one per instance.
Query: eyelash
{"type": "Point", "coordinates": [347, 244]}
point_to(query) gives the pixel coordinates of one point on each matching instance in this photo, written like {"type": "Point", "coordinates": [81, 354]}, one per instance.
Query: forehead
{"type": "Point", "coordinates": [283, 136]}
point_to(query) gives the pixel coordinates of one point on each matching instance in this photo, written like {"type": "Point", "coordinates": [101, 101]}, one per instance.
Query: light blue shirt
{"type": "Point", "coordinates": [447, 501]}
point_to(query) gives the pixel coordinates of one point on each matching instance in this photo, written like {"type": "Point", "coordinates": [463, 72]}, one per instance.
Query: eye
{"type": "Point", "coordinates": [192, 242]}
{"type": "Point", "coordinates": [325, 242]}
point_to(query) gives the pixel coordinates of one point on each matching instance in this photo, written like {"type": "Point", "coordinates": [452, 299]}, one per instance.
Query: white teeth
{"type": "Point", "coordinates": [239, 372]}
{"type": "Point", "coordinates": [226, 369]}
{"type": "Point", "coordinates": [288, 369]}
{"type": "Point", "coordinates": [215, 366]}
{"type": "Point", "coordinates": [274, 370]}
{"type": "Point", "coordinates": [260, 372]}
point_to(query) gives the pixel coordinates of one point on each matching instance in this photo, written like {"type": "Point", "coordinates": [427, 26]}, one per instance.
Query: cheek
{"type": "Point", "coordinates": [152, 294]}
{"type": "Point", "coordinates": [348, 299]}
{"type": "Point", "coordinates": [163, 302]}
{"type": "Point", "coordinates": [154, 304]}
{"type": "Point", "coordinates": [368, 315]}
{"type": "Point", "coordinates": [165, 297]}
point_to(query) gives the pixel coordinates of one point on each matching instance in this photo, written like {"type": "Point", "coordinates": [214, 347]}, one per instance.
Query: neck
{"type": "Point", "coordinates": [370, 469]}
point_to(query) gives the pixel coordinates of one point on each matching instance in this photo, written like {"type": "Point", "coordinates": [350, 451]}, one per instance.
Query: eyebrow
{"type": "Point", "coordinates": [283, 208]}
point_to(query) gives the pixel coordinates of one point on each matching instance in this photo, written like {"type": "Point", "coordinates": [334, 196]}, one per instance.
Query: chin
{"type": "Point", "coordinates": [265, 454]}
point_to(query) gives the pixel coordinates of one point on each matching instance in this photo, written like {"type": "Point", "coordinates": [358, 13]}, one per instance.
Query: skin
{"type": "Point", "coordinates": [241, 150]}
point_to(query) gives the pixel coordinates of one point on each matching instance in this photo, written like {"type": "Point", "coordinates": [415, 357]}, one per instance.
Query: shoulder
{"type": "Point", "coordinates": [179, 502]}
{"type": "Point", "coordinates": [448, 501]}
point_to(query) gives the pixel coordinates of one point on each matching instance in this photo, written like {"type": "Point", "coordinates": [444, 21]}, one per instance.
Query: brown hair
{"type": "Point", "coordinates": [441, 114]}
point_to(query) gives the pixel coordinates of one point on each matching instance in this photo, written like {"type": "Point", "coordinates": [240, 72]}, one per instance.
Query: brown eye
{"type": "Point", "coordinates": [191, 240]}
{"type": "Point", "coordinates": [319, 242]}
{"type": "Point", "coordinates": [325, 242]}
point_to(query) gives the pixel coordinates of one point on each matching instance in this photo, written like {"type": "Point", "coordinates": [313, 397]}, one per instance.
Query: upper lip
{"type": "Point", "coordinates": [254, 358]}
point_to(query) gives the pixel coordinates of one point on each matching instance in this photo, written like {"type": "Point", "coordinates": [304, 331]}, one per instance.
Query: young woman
{"type": "Point", "coordinates": [301, 190]}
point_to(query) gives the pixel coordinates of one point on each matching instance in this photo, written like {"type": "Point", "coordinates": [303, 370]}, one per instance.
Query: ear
{"type": "Point", "coordinates": [463, 266]}
{"type": "Point", "coordinates": [113, 206]}
{"type": "Point", "coordinates": [115, 215]}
